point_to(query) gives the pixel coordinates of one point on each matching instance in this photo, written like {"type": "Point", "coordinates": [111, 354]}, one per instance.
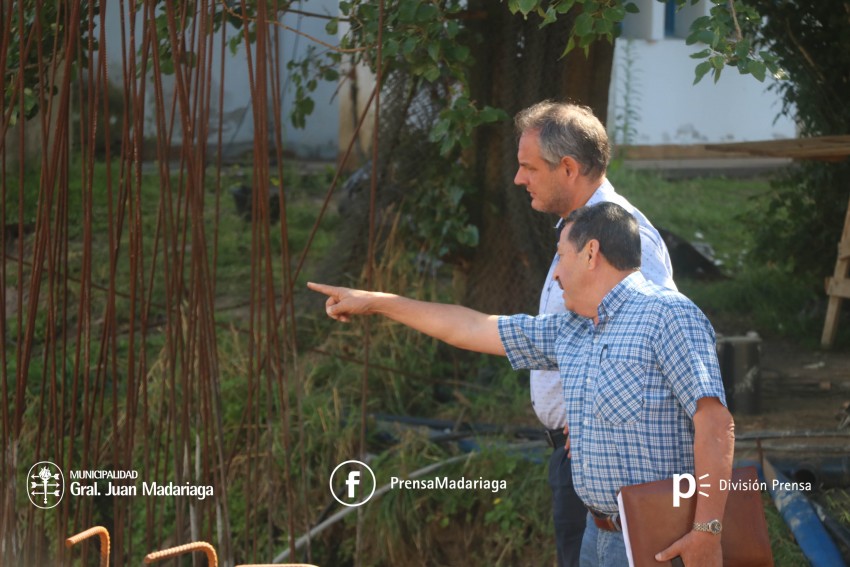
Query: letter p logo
{"type": "Point", "coordinates": [692, 487]}
{"type": "Point", "coordinates": [677, 487]}
{"type": "Point", "coordinates": [354, 479]}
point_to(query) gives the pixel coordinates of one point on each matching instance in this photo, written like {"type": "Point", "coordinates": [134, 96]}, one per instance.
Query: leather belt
{"type": "Point", "coordinates": [606, 522]}
{"type": "Point", "coordinates": [556, 437]}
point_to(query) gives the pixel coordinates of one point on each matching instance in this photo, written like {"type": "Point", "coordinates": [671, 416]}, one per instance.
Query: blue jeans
{"type": "Point", "coordinates": [567, 510]}
{"type": "Point", "coordinates": [602, 549]}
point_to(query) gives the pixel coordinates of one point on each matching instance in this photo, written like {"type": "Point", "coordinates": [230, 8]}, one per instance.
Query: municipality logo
{"type": "Point", "coordinates": [350, 482]}
{"type": "Point", "coordinates": [45, 485]}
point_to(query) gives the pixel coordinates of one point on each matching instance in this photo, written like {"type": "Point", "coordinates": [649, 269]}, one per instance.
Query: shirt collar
{"type": "Point", "coordinates": [604, 192]}
{"type": "Point", "coordinates": [617, 296]}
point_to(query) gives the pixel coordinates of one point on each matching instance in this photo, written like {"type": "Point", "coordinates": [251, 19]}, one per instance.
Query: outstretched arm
{"type": "Point", "coordinates": [453, 324]}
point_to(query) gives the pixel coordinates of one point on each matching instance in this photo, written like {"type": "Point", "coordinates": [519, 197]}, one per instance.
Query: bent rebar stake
{"type": "Point", "coordinates": [212, 558]}
{"type": "Point", "coordinates": [104, 542]}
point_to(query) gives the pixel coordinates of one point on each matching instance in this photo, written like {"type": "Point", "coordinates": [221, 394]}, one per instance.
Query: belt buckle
{"type": "Point", "coordinates": [613, 520]}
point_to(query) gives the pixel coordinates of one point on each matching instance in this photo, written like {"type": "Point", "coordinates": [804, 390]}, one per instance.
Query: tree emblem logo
{"type": "Point", "coordinates": [45, 485]}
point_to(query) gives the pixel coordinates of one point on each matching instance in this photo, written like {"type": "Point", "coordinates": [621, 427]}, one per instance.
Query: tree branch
{"type": "Point", "coordinates": [244, 18]}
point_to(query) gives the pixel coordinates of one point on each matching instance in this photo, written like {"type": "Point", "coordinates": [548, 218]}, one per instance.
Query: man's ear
{"type": "Point", "coordinates": [570, 167]}
{"type": "Point", "coordinates": [593, 255]}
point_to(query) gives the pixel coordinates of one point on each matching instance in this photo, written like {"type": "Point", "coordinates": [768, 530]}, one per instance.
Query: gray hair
{"type": "Point", "coordinates": [567, 129]}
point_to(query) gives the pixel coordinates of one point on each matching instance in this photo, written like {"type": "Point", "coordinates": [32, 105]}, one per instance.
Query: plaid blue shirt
{"type": "Point", "coordinates": [631, 383]}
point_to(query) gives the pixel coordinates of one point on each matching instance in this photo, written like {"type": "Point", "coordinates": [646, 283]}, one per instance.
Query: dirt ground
{"type": "Point", "coordinates": [800, 389]}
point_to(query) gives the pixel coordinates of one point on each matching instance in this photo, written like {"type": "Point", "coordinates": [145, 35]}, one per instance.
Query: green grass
{"type": "Point", "coordinates": [786, 552]}
{"type": "Point", "coordinates": [706, 209]}
{"type": "Point", "coordinates": [720, 211]}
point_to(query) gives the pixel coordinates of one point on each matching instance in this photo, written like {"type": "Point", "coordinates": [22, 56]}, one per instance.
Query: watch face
{"type": "Point", "coordinates": [715, 526]}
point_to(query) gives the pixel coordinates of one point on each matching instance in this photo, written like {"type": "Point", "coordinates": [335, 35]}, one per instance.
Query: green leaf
{"type": "Point", "coordinates": [391, 48]}
{"type": "Point", "coordinates": [583, 25]}
{"type": "Point", "coordinates": [460, 53]}
{"type": "Point", "coordinates": [571, 44]}
{"type": "Point", "coordinates": [614, 14]}
{"type": "Point", "coordinates": [332, 27]}
{"type": "Point", "coordinates": [701, 54]}
{"type": "Point", "coordinates": [707, 37]}
{"type": "Point", "coordinates": [767, 56]}
{"type": "Point", "coordinates": [426, 13]}
{"type": "Point", "coordinates": [439, 130]}
{"type": "Point", "coordinates": [409, 45]}
{"type": "Point", "coordinates": [526, 6]}
{"type": "Point", "coordinates": [701, 23]}
{"type": "Point", "coordinates": [407, 10]}
{"type": "Point", "coordinates": [758, 69]}
{"type": "Point", "coordinates": [701, 70]}
{"type": "Point", "coordinates": [434, 51]}
{"type": "Point", "coordinates": [717, 72]}
{"type": "Point", "coordinates": [632, 8]}
{"type": "Point", "coordinates": [166, 66]}
{"type": "Point", "coordinates": [564, 6]}
{"type": "Point", "coordinates": [550, 17]}
{"type": "Point", "coordinates": [469, 235]}
{"type": "Point", "coordinates": [452, 29]}
{"type": "Point", "coordinates": [604, 27]}
{"type": "Point", "coordinates": [432, 73]}
{"type": "Point", "coordinates": [491, 114]}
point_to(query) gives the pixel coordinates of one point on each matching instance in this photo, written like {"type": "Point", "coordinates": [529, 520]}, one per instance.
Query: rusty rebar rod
{"type": "Point", "coordinates": [212, 558]}
{"type": "Point", "coordinates": [104, 542]}
{"type": "Point", "coordinates": [277, 565]}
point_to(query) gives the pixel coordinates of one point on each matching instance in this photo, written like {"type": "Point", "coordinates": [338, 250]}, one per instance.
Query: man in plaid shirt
{"type": "Point", "coordinates": [641, 381]}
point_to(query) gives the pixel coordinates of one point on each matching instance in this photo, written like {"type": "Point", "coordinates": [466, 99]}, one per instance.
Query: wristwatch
{"type": "Point", "coordinates": [712, 526]}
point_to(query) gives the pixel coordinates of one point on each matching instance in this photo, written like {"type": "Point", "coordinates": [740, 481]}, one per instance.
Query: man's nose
{"type": "Point", "coordinates": [518, 179]}
{"type": "Point", "coordinates": [558, 281]}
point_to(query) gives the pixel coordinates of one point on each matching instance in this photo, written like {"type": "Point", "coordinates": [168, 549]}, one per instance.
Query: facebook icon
{"type": "Point", "coordinates": [352, 480]}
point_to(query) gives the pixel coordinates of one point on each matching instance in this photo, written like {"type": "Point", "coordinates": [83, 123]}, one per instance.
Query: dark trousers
{"type": "Point", "coordinates": [568, 511]}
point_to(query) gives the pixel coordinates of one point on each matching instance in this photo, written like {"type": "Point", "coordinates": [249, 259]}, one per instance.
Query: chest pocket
{"type": "Point", "coordinates": [619, 391]}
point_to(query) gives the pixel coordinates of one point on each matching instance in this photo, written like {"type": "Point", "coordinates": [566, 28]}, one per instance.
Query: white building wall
{"type": "Point", "coordinates": [317, 140]}
{"type": "Point", "coordinates": [652, 80]}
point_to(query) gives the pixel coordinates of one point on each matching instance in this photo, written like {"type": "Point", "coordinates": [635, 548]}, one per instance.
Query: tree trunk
{"type": "Point", "coordinates": [518, 64]}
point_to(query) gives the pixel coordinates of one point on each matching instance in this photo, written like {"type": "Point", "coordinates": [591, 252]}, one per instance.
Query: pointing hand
{"type": "Point", "coordinates": [343, 302]}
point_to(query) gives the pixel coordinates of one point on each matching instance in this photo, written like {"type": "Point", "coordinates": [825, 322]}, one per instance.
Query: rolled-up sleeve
{"type": "Point", "coordinates": [688, 357]}
{"type": "Point", "coordinates": [530, 341]}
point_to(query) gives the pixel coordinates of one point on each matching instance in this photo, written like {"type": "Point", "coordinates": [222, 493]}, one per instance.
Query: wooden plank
{"type": "Point", "coordinates": [830, 324]}
{"type": "Point", "coordinates": [820, 147]}
{"type": "Point", "coordinates": [837, 283]}
{"type": "Point", "coordinates": [838, 288]}
{"type": "Point", "coordinates": [674, 151]}
{"type": "Point", "coordinates": [844, 249]}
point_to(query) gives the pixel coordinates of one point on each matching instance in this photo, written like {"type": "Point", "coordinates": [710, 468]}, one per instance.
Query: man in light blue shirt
{"type": "Point", "coordinates": [638, 368]}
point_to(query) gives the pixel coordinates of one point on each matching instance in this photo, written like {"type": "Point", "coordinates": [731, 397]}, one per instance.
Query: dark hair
{"type": "Point", "coordinates": [616, 230]}
{"type": "Point", "coordinates": [567, 129]}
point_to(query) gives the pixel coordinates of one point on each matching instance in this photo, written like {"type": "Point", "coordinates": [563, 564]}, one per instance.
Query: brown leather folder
{"type": "Point", "coordinates": [651, 523]}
